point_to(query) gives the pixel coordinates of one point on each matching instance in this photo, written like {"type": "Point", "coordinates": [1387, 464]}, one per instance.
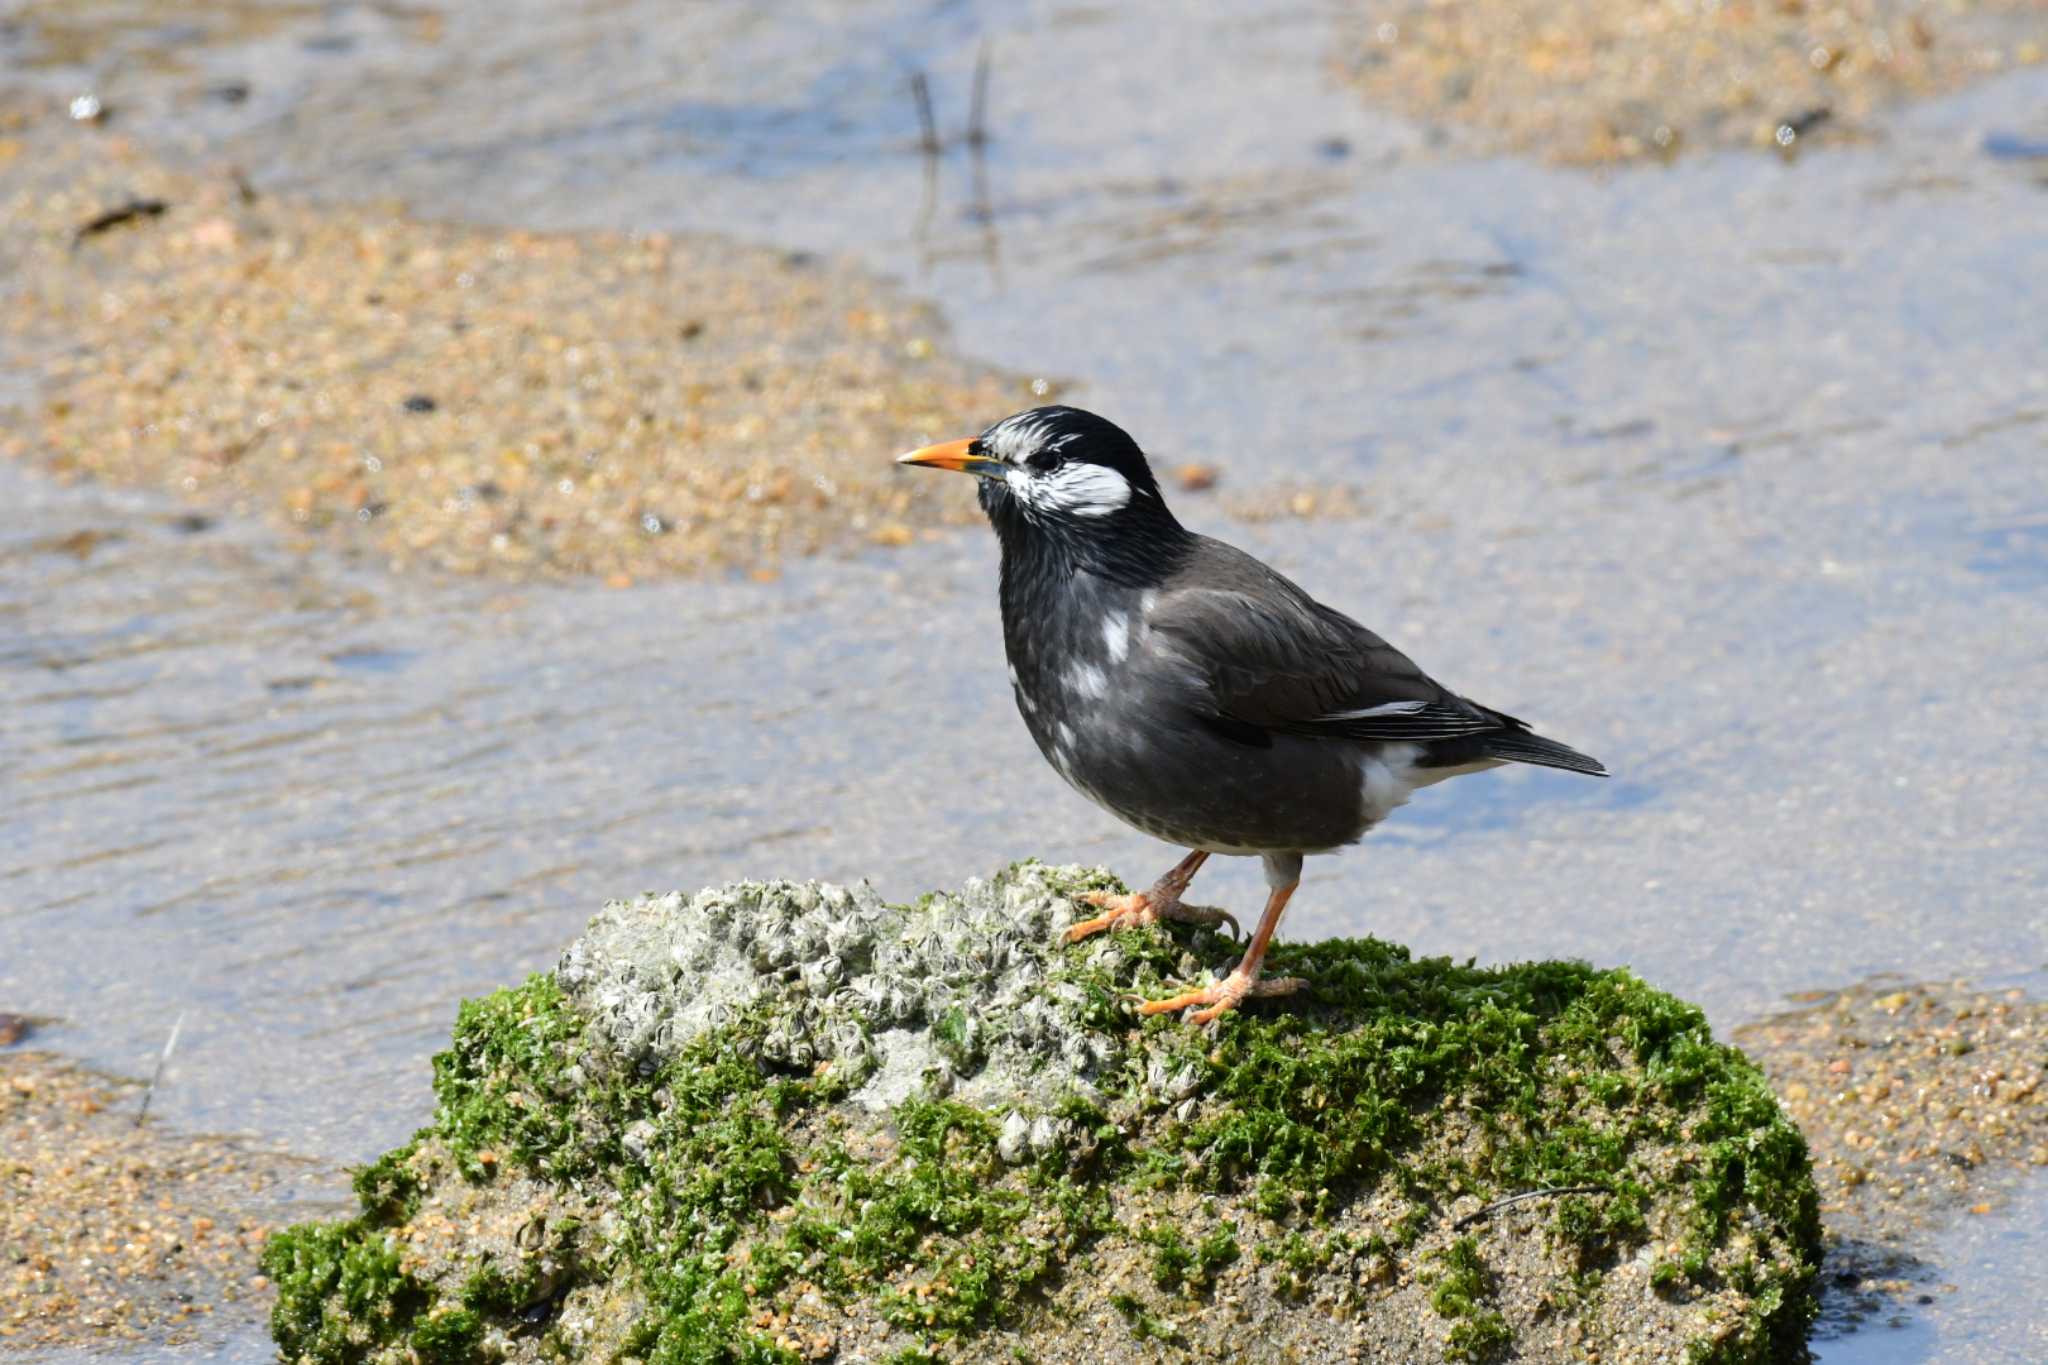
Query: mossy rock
{"type": "Point", "coordinates": [785, 1122]}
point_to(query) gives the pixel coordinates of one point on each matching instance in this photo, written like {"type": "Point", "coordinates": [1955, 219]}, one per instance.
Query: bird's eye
{"type": "Point", "coordinates": [1043, 461]}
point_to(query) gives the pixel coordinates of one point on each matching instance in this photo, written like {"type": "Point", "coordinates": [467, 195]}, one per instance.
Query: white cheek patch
{"type": "Point", "coordinates": [1088, 490]}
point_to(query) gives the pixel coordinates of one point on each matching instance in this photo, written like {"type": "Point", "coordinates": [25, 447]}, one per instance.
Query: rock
{"type": "Point", "coordinates": [786, 1121]}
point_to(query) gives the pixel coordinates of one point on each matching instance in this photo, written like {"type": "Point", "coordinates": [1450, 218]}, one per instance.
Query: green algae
{"type": "Point", "coordinates": [1464, 1293]}
{"type": "Point", "coordinates": [341, 1292]}
{"type": "Point", "coordinates": [732, 1187]}
{"type": "Point", "coordinates": [1177, 1262]}
{"type": "Point", "coordinates": [502, 1086]}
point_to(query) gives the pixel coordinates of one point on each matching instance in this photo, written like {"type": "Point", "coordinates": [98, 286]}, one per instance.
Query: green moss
{"type": "Point", "coordinates": [1483, 1336]}
{"type": "Point", "coordinates": [490, 1290]}
{"type": "Point", "coordinates": [503, 1089]}
{"type": "Point", "coordinates": [387, 1188]}
{"type": "Point", "coordinates": [1463, 1293]}
{"type": "Point", "coordinates": [1145, 1325]}
{"type": "Point", "coordinates": [340, 1291]}
{"type": "Point", "coordinates": [1303, 1256]}
{"type": "Point", "coordinates": [1176, 1262]}
{"type": "Point", "coordinates": [741, 1182]}
{"type": "Point", "coordinates": [959, 1038]}
{"type": "Point", "coordinates": [939, 1220]}
{"type": "Point", "coordinates": [448, 1338]}
{"type": "Point", "coordinates": [1573, 1293]}
{"type": "Point", "coordinates": [1318, 1102]}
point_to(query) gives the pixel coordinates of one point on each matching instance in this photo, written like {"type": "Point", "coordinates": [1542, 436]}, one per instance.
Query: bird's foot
{"type": "Point", "coordinates": [1142, 908]}
{"type": "Point", "coordinates": [1224, 996]}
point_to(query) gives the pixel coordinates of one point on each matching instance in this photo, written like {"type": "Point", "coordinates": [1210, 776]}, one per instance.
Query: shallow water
{"type": "Point", "coordinates": [1734, 473]}
{"type": "Point", "coordinates": [1982, 1299]}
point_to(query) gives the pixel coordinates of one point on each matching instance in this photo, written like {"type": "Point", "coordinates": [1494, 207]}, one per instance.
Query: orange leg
{"type": "Point", "coordinates": [1141, 908]}
{"type": "Point", "coordinates": [1243, 982]}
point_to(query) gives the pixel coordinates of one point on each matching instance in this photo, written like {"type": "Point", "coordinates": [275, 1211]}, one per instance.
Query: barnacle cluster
{"type": "Point", "coordinates": [962, 995]}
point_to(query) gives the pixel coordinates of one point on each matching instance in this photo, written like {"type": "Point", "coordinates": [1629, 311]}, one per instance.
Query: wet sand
{"type": "Point", "coordinates": [117, 1231]}
{"type": "Point", "coordinates": [1908, 1092]}
{"type": "Point", "coordinates": [1593, 81]}
{"type": "Point", "coordinates": [479, 402]}
{"type": "Point", "coordinates": [1922, 1103]}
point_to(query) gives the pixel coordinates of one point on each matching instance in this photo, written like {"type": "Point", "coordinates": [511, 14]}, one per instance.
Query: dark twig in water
{"type": "Point", "coordinates": [921, 93]}
{"type": "Point", "coordinates": [927, 207]}
{"type": "Point", "coordinates": [170, 1044]}
{"type": "Point", "coordinates": [983, 212]}
{"type": "Point", "coordinates": [977, 111]}
{"type": "Point", "coordinates": [114, 217]}
{"type": "Point", "coordinates": [1524, 1197]}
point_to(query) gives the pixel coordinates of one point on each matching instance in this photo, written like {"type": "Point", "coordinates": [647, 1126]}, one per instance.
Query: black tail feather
{"type": "Point", "coordinates": [1523, 746]}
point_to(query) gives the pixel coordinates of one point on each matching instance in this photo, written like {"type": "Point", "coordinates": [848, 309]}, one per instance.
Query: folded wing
{"type": "Point", "coordinates": [1276, 661]}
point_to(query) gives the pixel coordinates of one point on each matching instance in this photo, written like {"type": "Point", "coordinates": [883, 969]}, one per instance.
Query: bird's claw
{"type": "Point", "coordinates": [1223, 996]}
{"type": "Point", "coordinates": [1139, 909]}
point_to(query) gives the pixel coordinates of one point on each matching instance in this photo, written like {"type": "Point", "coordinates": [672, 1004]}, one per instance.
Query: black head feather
{"type": "Point", "coordinates": [1078, 493]}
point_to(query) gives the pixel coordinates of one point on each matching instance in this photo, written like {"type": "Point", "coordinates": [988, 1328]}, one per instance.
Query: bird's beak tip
{"type": "Point", "coordinates": [945, 455]}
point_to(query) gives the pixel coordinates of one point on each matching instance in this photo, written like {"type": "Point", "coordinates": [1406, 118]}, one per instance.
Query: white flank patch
{"type": "Point", "coordinates": [1066, 736]}
{"type": "Point", "coordinates": [1116, 635]}
{"type": "Point", "coordinates": [1385, 779]}
{"type": "Point", "coordinates": [1429, 777]}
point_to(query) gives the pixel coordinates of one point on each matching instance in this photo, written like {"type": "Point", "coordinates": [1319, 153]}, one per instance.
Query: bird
{"type": "Point", "coordinates": [1194, 692]}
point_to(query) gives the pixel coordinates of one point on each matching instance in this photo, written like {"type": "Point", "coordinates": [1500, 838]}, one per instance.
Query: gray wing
{"type": "Point", "coordinates": [1275, 658]}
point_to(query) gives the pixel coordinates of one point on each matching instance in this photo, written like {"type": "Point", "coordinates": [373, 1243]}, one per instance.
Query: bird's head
{"type": "Point", "coordinates": [1058, 473]}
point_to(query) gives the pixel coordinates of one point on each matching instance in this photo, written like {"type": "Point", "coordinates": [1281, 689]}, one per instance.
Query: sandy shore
{"type": "Point", "coordinates": [114, 1231]}
{"type": "Point", "coordinates": [476, 401]}
{"type": "Point", "coordinates": [1921, 1103]}
{"type": "Point", "coordinates": [1592, 81]}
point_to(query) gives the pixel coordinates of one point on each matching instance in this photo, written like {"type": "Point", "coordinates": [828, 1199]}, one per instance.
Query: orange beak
{"type": "Point", "coordinates": [954, 455]}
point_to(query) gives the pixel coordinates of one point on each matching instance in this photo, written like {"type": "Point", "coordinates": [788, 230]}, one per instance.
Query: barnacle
{"type": "Point", "coordinates": [1013, 1144]}
{"type": "Point", "coordinates": [962, 989]}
